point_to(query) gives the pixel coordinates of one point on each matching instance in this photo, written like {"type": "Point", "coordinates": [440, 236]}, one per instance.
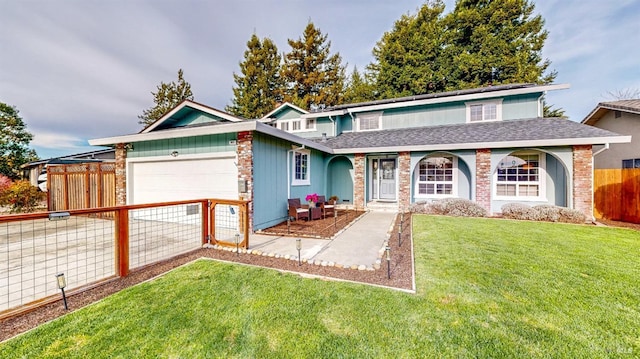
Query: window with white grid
{"type": "Point", "coordinates": [436, 177]}
{"type": "Point", "coordinates": [484, 111]}
{"type": "Point", "coordinates": [520, 176]}
{"type": "Point", "coordinates": [369, 121]}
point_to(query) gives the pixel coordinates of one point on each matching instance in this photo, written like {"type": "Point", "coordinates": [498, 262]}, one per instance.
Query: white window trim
{"type": "Point", "coordinates": [454, 180]}
{"type": "Point", "coordinates": [542, 181]}
{"type": "Point", "coordinates": [369, 115]}
{"type": "Point", "coordinates": [497, 102]}
{"type": "Point", "coordinates": [299, 182]}
{"type": "Point", "coordinates": [304, 125]}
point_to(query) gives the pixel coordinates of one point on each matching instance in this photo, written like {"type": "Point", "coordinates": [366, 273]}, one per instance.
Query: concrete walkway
{"type": "Point", "coordinates": [360, 245]}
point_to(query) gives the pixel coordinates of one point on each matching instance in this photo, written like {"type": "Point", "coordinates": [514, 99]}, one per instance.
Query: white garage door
{"type": "Point", "coordinates": [182, 179]}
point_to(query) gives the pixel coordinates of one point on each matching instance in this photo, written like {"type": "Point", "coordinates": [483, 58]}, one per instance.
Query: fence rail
{"type": "Point", "coordinates": [98, 244]}
{"type": "Point", "coordinates": [616, 194]}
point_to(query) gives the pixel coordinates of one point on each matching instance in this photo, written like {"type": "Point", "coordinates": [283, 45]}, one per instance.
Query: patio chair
{"type": "Point", "coordinates": [296, 211]}
{"type": "Point", "coordinates": [328, 208]}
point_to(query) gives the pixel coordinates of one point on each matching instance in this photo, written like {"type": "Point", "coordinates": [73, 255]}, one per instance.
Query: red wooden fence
{"type": "Point", "coordinates": [617, 194]}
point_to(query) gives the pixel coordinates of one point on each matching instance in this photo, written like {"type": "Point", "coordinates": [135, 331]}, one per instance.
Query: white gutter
{"type": "Point", "coordinates": [606, 147]}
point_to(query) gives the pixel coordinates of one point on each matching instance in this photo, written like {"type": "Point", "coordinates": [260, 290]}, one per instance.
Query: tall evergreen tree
{"type": "Point", "coordinates": [312, 75]}
{"type": "Point", "coordinates": [360, 88]}
{"type": "Point", "coordinates": [407, 60]}
{"type": "Point", "coordinates": [495, 42]}
{"type": "Point", "coordinates": [14, 142]}
{"type": "Point", "coordinates": [259, 86]}
{"type": "Point", "coordinates": [167, 97]}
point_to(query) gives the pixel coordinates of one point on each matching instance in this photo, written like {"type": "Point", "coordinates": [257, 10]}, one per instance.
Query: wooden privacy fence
{"type": "Point", "coordinates": [616, 194]}
{"type": "Point", "coordinates": [79, 186]}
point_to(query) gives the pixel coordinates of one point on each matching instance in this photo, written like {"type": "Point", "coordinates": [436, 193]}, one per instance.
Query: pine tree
{"type": "Point", "coordinates": [259, 86]}
{"type": "Point", "coordinates": [167, 97]}
{"type": "Point", "coordinates": [14, 142]}
{"type": "Point", "coordinates": [360, 88]}
{"type": "Point", "coordinates": [407, 60]}
{"type": "Point", "coordinates": [312, 75]}
{"type": "Point", "coordinates": [495, 42]}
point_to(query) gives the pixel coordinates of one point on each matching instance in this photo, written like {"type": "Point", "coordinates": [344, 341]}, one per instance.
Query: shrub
{"type": "Point", "coordinates": [519, 211]}
{"type": "Point", "coordinates": [456, 207]}
{"type": "Point", "coordinates": [418, 207]}
{"type": "Point", "coordinates": [569, 215]}
{"type": "Point", "coordinates": [5, 183]}
{"type": "Point", "coordinates": [547, 212]}
{"type": "Point", "coordinates": [22, 197]}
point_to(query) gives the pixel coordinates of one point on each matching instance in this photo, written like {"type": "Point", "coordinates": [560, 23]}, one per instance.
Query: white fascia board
{"type": "Point", "coordinates": [195, 106]}
{"type": "Point", "coordinates": [272, 131]}
{"type": "Point", "coordinates": [467, 97]}
{"type": "Point", "coordinates": [324, 114]}
{"type": "Point", "coordinates": [489, 145]}
{"type": "Point", "coordinates": [177, 133]}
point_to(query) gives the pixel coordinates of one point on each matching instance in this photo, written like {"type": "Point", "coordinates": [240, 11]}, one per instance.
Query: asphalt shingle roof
{"type": "Point", "coordinates": [624, 105]}
{"type": "Point", "coordinates": [488, 132]}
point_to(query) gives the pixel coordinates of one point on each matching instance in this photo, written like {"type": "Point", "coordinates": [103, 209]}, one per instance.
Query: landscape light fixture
{"type": "Point", "coordinates": [399, 235]}
{"type": "Point", "coordinates": [387, 251]}
{"type": "Point", "coordinates": [59, 216]}
{"type": "Point", "coordinates": [299, 247]}
{"type": "Point", "coordinates": [237, 243]}
{"type": "Point", "coordinates": [62, 283]}
{"type": "Point", "coordinates": [335, 218]}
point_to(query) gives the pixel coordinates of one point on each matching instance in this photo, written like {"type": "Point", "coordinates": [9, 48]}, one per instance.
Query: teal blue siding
{"type": "Point", "coordinates": [520, 107]}
{"type": "Point", "coordinates": [556, 181]}
{"type": "Point", "coordinates": [340, 179]}
{"type": "Point", "coordinates": [344, 124]}
{"type": "Point", "coordinates": [428, 115]}
{"type": "Point", "coordinates": [196, 117]}
{"type": "Point", "coordinates": [287, 114]}
{"type": "Point", "coordinates": [184, 145]}
{"type": "Point", "coordinates": [270, 181]}
{"type": "Point", "coordinates": [323, 125]}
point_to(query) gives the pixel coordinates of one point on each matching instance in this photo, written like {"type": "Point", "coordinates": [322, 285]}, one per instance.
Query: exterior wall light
{"type": "Point", "coordinates": [62, 283]}
{"type": "Point", "coordinates": [174, 154]}
{"type": "Point", "coordinates": [59, 216]}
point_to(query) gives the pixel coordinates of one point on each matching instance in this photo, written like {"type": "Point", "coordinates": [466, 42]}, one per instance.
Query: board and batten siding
{"type": "Point", "coordinates": [521, 107]}
{"type": "Point", "coordinates": [184, 145]}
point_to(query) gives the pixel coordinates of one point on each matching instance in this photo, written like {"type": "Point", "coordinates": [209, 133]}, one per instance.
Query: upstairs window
{"type": "Point", "coordinates": [297, 125]}
{"type": "Point", "coordinates": [300, 168]}
{"type": "Point", "coordinates": [369, 121]}
{"type": "Point", "coordinates": [311, 124]}
{"type": "Point", "coordinates": [484, 111]}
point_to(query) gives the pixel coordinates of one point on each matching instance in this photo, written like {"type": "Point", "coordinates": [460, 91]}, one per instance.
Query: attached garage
{"type": "Point", "coordinates": [179, 178]}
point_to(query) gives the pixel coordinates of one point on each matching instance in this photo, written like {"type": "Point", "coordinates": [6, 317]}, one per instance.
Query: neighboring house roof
{"type": "Point", "coordinates": [75, 158]}
{"type": "Point", "coordinates": [432, 98]}
{"type": "Point", "coordinates": [630, 106]}
{"type": "Point", "coordinates": [184, 109]}
{"type": "Point", "coordinates": [500, 134]}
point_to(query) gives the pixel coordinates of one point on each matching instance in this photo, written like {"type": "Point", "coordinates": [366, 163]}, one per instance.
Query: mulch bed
{"type": "Point", "coordinates": [612, 223]}
{"type": "Point", "coordinates": [401, 277]}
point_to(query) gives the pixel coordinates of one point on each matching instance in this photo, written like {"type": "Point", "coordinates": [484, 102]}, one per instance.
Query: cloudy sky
{"type": "Point", "coordinates": [78, 70]}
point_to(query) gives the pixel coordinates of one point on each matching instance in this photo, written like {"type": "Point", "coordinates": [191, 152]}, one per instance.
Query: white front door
{"type": "Point", "coordinates": [383, 179]}
{"type": "Point", "coordinates": [387, 174]}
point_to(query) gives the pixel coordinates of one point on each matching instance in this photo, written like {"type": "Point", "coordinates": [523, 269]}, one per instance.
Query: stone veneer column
{"type": "Point", "coordinates": [583, 180]}
{"type": "Point", "coordinates": [245, 169]}
{"type": "Point", "coordinates": [121, 174]}
{"type": "Point", "coordinates": [483, 178]}
{"type": "Point", "coordinates": [404, 176]}
{"type": "Point", "coordinates": [358, 183]}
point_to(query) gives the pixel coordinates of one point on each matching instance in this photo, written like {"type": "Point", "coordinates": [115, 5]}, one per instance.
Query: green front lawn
{"type": "Point", "coordinates": [487, 288]}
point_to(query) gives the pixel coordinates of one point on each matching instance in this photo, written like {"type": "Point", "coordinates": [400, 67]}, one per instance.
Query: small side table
{"type": "Point", "coordinates": [315, 213]}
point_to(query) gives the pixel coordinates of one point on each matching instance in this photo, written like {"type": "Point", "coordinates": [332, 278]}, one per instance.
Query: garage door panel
{"type": "Point", "coordinates": [178, 180]}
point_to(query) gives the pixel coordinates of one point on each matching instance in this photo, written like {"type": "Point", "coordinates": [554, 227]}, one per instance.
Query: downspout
{"type": "Point", "coordinates": [593, 200]}
{"type": "Point", "coordinates": [353, 121]}
{"type": "Point", "coordinates": [335, 125]}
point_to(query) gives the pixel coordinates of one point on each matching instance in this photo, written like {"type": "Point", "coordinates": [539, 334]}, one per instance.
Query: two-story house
{"type": "Point", "coordinates": [490, 145]}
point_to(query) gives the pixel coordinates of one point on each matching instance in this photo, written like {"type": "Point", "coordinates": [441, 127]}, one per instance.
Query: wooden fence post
{"type": "Point", "coordinates": [122, 242]}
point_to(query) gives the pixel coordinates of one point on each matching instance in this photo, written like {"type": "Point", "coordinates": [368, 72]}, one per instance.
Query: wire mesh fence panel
{"type": "Point", "coordinates": [226, 222]}
{"type": "Point", "coordinates": [32, 252]}
{"type": "Point", "coordinates": [162, 232]}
